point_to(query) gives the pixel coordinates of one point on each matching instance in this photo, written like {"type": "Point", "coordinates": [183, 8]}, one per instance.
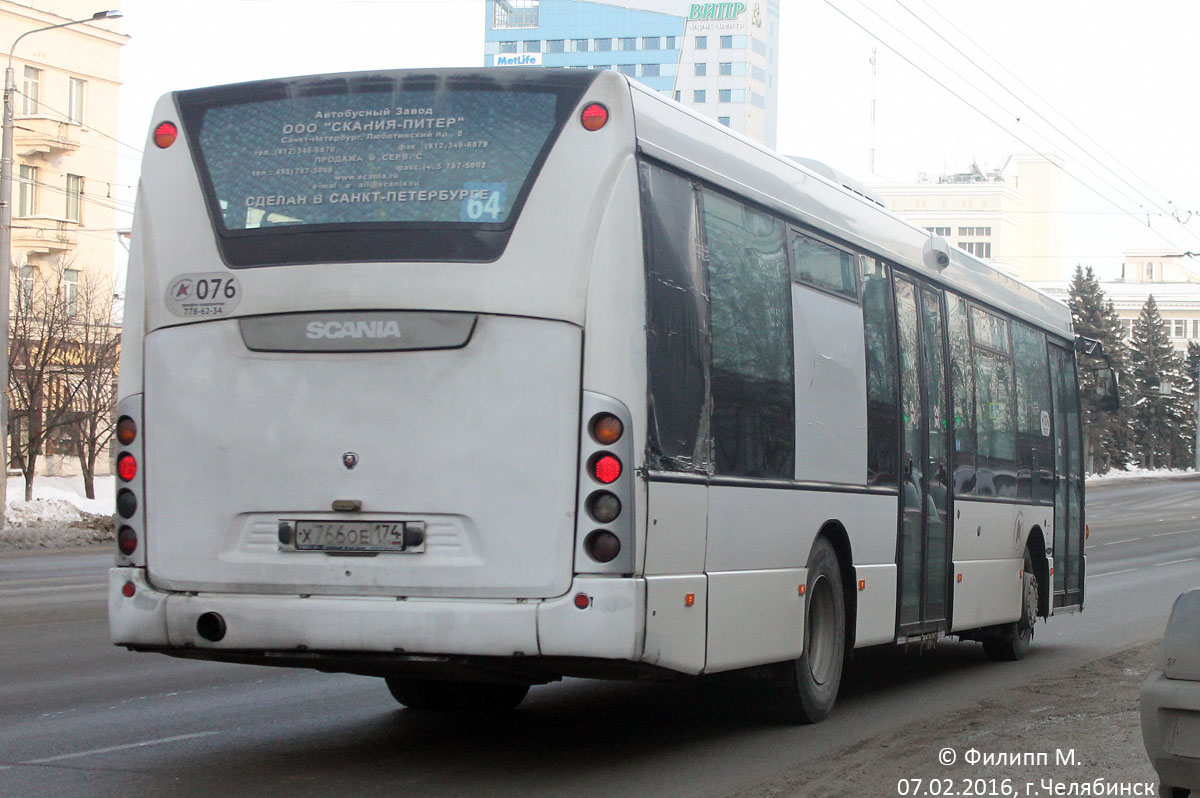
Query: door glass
{"type": "Point", "coordinates": [1060, 469]}
{"type": "Point", "coordinates": [911, 486]}
{"type": "Point", "coordinates": [937, 462]}
{"type": "Point", "coordinates": [1074, 471]}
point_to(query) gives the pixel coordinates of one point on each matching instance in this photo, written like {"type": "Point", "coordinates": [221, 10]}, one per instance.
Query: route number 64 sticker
{"type": "Point", "coordinates": [207, 295]}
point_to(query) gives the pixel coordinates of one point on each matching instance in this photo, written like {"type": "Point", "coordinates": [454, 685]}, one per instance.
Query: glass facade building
{"type": "Point", "coordinates": [720, 59]}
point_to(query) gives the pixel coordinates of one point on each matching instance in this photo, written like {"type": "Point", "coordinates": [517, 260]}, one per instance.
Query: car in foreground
{"type": "Point", "coordinates": [1170, 702]}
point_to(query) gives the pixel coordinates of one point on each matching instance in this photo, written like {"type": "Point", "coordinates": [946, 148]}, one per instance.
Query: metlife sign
{"type": "Point", "coordinates": [523, 59]}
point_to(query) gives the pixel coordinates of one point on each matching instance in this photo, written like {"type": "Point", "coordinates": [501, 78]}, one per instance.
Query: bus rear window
{"type": "Point", "coordinates": [364, 156]}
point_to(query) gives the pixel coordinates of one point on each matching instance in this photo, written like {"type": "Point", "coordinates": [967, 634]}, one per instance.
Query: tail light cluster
{"type": "Point", "coordinates": [605, 526]}
{"type": "Point", "coordinates": [131, 510]}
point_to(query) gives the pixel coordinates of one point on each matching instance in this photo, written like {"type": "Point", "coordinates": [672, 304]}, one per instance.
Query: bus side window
{"type": "Point", "coordinates": [677, 348]}
{"type": "Point", "coordinates": [1034, 452]}
{"type": "Point", "coordinates": [962, 386]}
{"type": "Point", "coordinates": [879, 327]}
{"type": "Point", "coordinates": [996, 465]}
{"type": "Point", "coordinates": [753, 379]}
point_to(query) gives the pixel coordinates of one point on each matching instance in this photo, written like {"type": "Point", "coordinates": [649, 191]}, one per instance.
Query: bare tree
{"type": "Point", "coordinates": [96, 343]}
{"type": "Point", "coordinates": [41, 379]}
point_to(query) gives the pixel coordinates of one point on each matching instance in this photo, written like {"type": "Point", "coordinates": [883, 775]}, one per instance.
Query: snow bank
{"type": "Point", "coordinates": [59, 515]}
{"type": "Point", "coordinates": [1140, 473]}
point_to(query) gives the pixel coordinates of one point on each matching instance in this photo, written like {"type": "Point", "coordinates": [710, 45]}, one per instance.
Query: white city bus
{"type": "Point", "coordinates": [476, 379]}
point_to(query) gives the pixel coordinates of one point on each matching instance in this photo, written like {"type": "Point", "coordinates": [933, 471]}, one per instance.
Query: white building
{"type": "Point", "coordinates": [1008, 216]}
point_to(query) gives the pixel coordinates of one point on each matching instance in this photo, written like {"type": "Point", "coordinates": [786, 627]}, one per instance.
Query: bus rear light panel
{"type": "Point", "coordinates": [131, 494]}
{"type": "Point", "coordinates": [604, 527]}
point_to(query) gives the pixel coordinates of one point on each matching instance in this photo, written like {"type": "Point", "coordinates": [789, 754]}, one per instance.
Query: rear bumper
{"type": "Point", "coordinates": [611, 627]}
{"type": "Point", "coordinates": [1171, 729]}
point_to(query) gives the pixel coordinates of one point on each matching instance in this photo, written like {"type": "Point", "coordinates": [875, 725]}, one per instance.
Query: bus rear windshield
{"type": "Point", "coordinates": [379, 166]}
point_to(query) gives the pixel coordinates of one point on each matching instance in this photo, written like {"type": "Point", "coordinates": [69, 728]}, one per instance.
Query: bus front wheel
{"type": "Point", "coordinates": [808, 686]}
{"type": "Point", "coordinates": [473, 696]}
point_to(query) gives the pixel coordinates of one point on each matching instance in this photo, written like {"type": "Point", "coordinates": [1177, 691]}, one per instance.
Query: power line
{"type": "Point", "coordinates": [986, 116]}
{"type": "Point", "coordinates": [1037, 113]}
{"type": "Point", "coordinates": [993, 100]}
{"type": "Point", "coordinates": [67, 118]}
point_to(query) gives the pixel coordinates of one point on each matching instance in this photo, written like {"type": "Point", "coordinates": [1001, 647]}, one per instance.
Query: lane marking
{"type": "Point", "coordinates": [1112, 573]}
{"type": "Point", "coordinates": [81, 588]}
{"type": "Point", "coordinates": [1115, 542]}
{"type": "Point", "coordinates": [1168, 534]}
{"type": "Point", "coordinates": [127, 746]}
{"type": "Point", "coordinates": [1174, 562]}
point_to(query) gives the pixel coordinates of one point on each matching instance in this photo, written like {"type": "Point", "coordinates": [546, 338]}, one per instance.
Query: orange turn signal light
{"type": "Point", "coordinates": [607, 428]}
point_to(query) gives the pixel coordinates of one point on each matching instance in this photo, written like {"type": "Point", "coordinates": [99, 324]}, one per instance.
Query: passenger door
{"type": "Point", "coordinates": [924, 548]}
{"type": "Point", "coordinates": [1069, 560]}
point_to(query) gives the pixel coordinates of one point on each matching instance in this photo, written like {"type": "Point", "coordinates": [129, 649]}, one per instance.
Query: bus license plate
{"type": "Point", "coordinates": [349, 536]}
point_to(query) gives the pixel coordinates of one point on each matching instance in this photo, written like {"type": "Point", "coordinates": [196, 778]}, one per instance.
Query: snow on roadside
{"type": "Point", "coordinates": [59, 516]}
{"type": "Point", "coordinates": [1140, 473]}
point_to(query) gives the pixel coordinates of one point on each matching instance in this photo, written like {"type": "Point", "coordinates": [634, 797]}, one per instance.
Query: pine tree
{"type": "Point", "coordinates": [1156, 414]}
{"type": "Point", "coordinates": [1191, 390]}
{"type": "Point", "coordinates": [1106, 432]}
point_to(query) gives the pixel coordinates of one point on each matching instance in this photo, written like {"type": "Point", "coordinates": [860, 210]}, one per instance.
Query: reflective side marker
{"type": "Point", "coordinates": [128, 589]}
{"type": "Point", "coordinates": [959, 579]}
{"type": "Point", "coordinates": [582, 601]}
{"type": "Point", "coordinates": [800, 590]}
{"type": "Point", "coordinates": [689, 599]}
{"type": "Point", "coordinates": [862, 585]}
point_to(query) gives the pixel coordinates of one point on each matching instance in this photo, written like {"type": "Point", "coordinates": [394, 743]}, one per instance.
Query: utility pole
{"type": "Point", "coordinates": [873, 84]}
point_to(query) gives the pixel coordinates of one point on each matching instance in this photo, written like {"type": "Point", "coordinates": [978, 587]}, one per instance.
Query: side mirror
{"type": "Point", "coordinates": [1107, 395]}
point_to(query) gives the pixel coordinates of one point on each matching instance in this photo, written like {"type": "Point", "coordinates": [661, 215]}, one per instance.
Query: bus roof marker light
{"type": "Point", "coordinates": [594, 117]}
{"type": "Point", "coordinates": [165, 135]}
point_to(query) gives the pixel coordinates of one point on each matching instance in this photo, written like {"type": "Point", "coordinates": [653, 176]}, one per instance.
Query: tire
{"type": "Point", "coordinates": [1014, 639]}
{"type": "Point", "coordinates": [428, 694]}
{"type": "Point", "coordinates": [807, 687]}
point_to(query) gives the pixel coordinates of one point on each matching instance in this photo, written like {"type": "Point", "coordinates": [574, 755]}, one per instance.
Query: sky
{"type": "Point", "coordinates": [1104, 86]}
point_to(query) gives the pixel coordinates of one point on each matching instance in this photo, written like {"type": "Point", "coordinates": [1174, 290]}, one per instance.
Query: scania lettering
{"type": "Point", "coordinates": [353, 329]}
{"type": "Point", "coordinates": [631, 398]}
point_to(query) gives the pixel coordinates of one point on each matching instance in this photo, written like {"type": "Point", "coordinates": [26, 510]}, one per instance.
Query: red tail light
{"type": "Point", "coordinates": [126, 466]}
{"type": "Point", "coordinates": [606, 468]}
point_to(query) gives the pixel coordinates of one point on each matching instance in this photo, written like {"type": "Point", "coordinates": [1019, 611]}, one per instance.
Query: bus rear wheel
{"type": "Point", "coordinates": [430, 694]}
{"type": "Point", "coordinates": [1014, 639]}
{"type": "Point", "coordinates": [808, 686]}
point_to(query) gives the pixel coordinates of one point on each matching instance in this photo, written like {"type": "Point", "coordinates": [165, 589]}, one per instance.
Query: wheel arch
{"type": "Point", "coordinates": [835, 533]}
{"type": "Point", "coordinates": [1035, 544]}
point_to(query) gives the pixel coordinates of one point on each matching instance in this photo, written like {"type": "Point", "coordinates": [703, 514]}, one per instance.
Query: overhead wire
{"type": "Point", "coordinates": [993, 100]}
{"type": "Point", "coordinates": [995, 122]}
{"type": "Point", "coordinates": [1081, 148]}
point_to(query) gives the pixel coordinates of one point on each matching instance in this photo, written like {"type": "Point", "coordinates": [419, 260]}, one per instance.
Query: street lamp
{"type": "Point", "coordinates": [6, 165]}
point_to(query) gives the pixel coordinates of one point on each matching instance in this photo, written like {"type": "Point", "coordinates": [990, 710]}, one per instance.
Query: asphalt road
{"type": "Point", "coordinates": [80, 717]}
